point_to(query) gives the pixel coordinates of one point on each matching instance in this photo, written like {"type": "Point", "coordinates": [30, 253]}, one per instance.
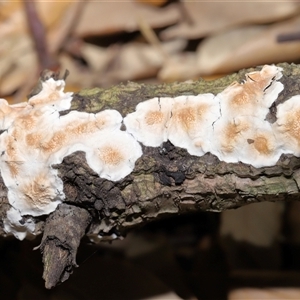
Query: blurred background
{"type": "Point", "coordinates": [249, 253]}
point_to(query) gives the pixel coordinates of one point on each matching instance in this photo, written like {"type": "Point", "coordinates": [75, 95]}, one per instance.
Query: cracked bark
{"type": "Point", "coordinates": [60, 242]}
{"type": "Point", "coordinates": [166, 180]}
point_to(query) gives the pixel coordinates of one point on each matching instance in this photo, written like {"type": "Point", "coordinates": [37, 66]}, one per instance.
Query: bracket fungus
{"type": "Point", "coordinates": [231, 125]}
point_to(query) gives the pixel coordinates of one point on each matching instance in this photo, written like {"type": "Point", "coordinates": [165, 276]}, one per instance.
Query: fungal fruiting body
{"type": "Point", "coordinates": [288, 124]}
{"type": "Point", "coordinates": [35, 137]}
{"type": "Point", "coordinates": [242, 133]}
{"type": "Point", "coordinates": [150, 121]}
{"type": "Point", "coordinates": [231, 125]}
{"type": "Point", "coordinates": [190, 125]}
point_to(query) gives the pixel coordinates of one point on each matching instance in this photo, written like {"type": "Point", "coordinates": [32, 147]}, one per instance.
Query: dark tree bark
{"type": "Point", "coordinates": [61, 240]}
{"type": "Point", "coordinates": [166, 180]}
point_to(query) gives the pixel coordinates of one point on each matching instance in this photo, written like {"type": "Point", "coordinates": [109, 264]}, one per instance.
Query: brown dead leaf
{"type": "Point", "coordinates": [266, 293]}
{"type": "Point", "coordinates": [58, 33]}
{"type": "Point", "coordinates": [136, 61]}
{"type": "Point", "coordinates": [215, 51]}
{"type": "Point", "coordinates": [152, 2]}
{"type": "Point", "coordinates": [51, 12]}
{"type": "Point", "coordinates": [133, 61]}
{"type": "Point", "coordinates": [16, 59]}
{"type": "Point", "coordinates": [179, 67]}
{"type": "Point", "coordinates": [79, 75]}
{"type": "Point", "coordinates": [96, 57]}
{"type": "Point", "coordinates": [11, 18]}
{"type": "Point", "coordinates": [101, 18]}
{"type": "Point", "coordinates": [17, 52]}
{"type": "Point", "coordinates": [203, 18]}
{"type": "Point", "coordinates": [107, 66]}
{"type": "Point", "coordinates": [248, 46]}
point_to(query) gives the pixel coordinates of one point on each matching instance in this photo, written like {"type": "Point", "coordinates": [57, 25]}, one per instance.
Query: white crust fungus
{"type": "Point", "coordinates": [246, 139]}
{"type": "Point", "coordinates": [191, 122]}
{"type": "Point", "coordinates": [35, 137]}
{"type": "Point", "coordinates": [242, 133]}
{"type": "Point", "coordinates": [115, 155]}
{"type": "Point", "coordinates": [253, 97]}
{"type": "Point", "coordinates": [19, 226]}
{"type": "Point", "coordinates": [52, 94]}
{"type": "Point", "coordinates": [288, 124]}
{"type": "Point", "coordinates": [149, 123]}
{"type": "Point", "coordinates": [231, 125]}
{"type": "Point", "coordinates": [33, 186]}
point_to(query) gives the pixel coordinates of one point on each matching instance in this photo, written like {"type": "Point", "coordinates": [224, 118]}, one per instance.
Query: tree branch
{"type": "Point", "coordinates": [166, 180]}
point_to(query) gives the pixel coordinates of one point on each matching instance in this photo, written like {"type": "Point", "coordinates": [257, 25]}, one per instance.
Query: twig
{"type": "Point", "coordinates": [289, 37]}
{"type": "Point", "coordinates": [38, 33]}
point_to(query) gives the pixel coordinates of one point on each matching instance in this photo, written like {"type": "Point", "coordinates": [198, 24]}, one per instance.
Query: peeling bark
{"type": "Point", "coordinates": [166, 180]}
